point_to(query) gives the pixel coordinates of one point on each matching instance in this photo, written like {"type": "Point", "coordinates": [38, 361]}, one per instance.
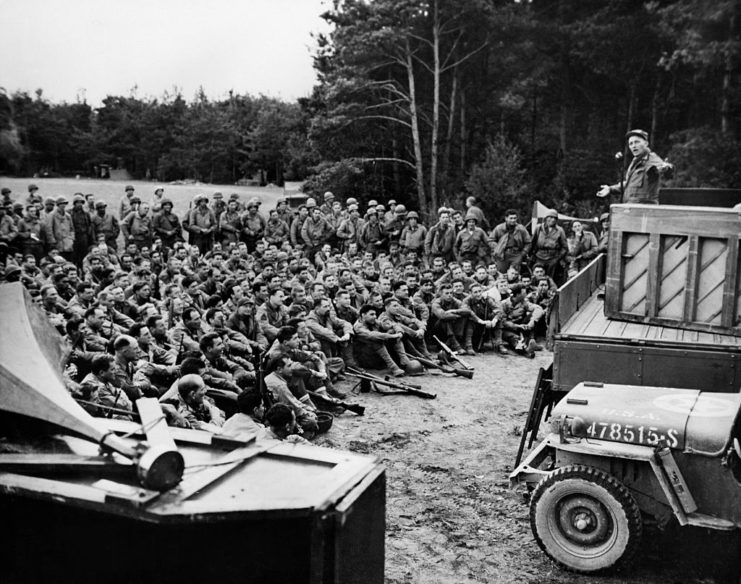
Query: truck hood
{"type": "Point", "coordinates": [680, 418]}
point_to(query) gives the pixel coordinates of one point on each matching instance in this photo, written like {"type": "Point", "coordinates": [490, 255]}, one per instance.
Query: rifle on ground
{"type": "Point", "coordinates": [354, 408]}
{"type": "Point", "coordinates": [372, 381]}
{"type": "Point", "coordinates": [445, 368]}
{"type": "Point", "coordinates": [452, 354]}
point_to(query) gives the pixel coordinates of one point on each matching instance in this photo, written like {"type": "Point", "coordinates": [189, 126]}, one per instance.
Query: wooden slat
{"type": "Point", "coordinates": [728, 317]}
{"type": "Point", "coordinates": [692, 274]}
{"type": "Point", "coordinates": [654, 267]}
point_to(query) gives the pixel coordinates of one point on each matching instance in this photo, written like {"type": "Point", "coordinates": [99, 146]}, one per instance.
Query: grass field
{"type": "Point", "coordinates": [111, 191]}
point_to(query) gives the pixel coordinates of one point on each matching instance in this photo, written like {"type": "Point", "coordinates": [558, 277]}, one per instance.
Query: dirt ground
{"type": "Point", "coordinates": [451, 517]}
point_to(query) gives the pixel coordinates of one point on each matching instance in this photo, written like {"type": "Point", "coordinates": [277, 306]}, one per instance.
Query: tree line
{"type": "Point", "coordinates": [427, 101]}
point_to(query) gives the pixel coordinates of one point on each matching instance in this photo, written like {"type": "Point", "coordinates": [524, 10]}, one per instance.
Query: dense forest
{"type": "Point", "coordinates": [428, 100]}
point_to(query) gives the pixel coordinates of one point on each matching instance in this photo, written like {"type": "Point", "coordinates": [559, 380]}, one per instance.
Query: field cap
{"type": "Point", "coordinates": [551, 213]}
{"type": "Point", "coordinates": [639, 133]}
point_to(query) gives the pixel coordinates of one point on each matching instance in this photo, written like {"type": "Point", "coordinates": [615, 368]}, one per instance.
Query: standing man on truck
{"type": "Point", "coordinates": [641, 184]}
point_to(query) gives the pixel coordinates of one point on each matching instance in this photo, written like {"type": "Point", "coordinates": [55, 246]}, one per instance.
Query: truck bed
{"type": "Point", "coordinates": [589, 346]}
{"type": "Point", "coordinates": [590, 323]}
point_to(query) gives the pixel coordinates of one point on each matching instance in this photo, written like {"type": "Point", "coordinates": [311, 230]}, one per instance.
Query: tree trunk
{"type": "Point", "coordinates": [451, 125]}
{"type": "Point", "coordinates": [727, 88]}
{"type": "Point", "coordinates": [631, 106]}
{"type": "Point", "coordinates": [435, 105]}
{"type": "Point", "coordinates": [415, 133]}
{"type": "Point", "coordinates": [462, 161]}
{"type": "Point", "coordinates": [655, 110]}
{"type": "Point", "coordinates": [396, 173]}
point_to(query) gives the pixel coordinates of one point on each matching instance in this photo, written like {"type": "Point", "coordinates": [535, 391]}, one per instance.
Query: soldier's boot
{"type": "Point", "coordinates": [390, 364]}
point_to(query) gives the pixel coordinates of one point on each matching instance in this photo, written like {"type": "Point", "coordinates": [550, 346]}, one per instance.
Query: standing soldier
{"type": "Point", "coordinates": [8, 228]}
{"type": "Point", "coordinates": [550, 246]}
{"type": "Point", "coordinates": [230, 223]}
{"type": "Point", "coordinates": [472, 243]}
{"type": "Point", "coordinates": [641, 184]}
{"type": "Point", "coordinates": [31, 233]}
{"type": "Point", "coordinates": [106, 225]}
{"type": "Point", "coordinates": [166, 225]}
{"type": "Point", "coordinates": [440, 238]}
{"type": "Point", "coordinates": [253, 225]}
{"type": "Point", "coordinates": [60, 233]}
{"type": "Point", "coordinates": [510, 242]}
{"type": "Point", "coordinates": [83, 226]}
{"type": "Point", "coordinates": [137, 226]}
{"type": "Point", "coordinates": [201, 224]}
{"type": "Point", "coordinates": [297, 224]}
{"type": "Point", "coordinates": [314, 232]}
{"type": "Point", "coordinates": [127, 203]}
{"type": "Point", "coordinates": [413, 235]}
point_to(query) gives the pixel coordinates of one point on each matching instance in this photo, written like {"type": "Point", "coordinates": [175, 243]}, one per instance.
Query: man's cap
{"type": "Point", "coordinates": [62, 201]}
{"type": "Point", "coordinates": [6, 191]}
{"type": "Point", "coordinates": [50, 201]}
{"type": "Point", "coordinates": [328, 195]}
{"type": "Point", "coordinates": [100, 205]}
{"type": "Point", "coordinates": [234, 197]}
{"type": "Point", "coordinates": [640, 133]}
{"type": "Point", "coordinates": [199, 198]}
{"type": "Point", "coordinates": [78, 198]}
{"type": "Point", "coordinates": [472, 217]}
{"type": "Point", "coordinates": [412, 215]}
{"type": "Point", "coordinates": [129, 188]}
{"type": "Point", "coordinates": [32, 187]}
{"type": "Point", "coordinates": [218, 195]}
{"type": "Point", "coordinates": [551, 213]}
{"type": "Point", "coordinates": [135, 200]}
{"type": "Point", "coordinates": [17, 206]}
{"type": "Point", "coordinates": [604, 217]}
{"type": "Point", "coordinates": [164, 202]}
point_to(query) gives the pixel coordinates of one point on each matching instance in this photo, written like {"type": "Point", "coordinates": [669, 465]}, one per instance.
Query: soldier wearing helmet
{"type": "Point", "coordinates": [550, 246]}
{"type": "Point", "coordinates": [413, 234]}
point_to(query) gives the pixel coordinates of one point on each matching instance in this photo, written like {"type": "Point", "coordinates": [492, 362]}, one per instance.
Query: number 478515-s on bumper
{"type": "Point", "coordinates": [616, 452]}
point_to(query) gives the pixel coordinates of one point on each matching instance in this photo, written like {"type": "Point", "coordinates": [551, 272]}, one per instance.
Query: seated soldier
{"type": "Point", "coordinates": [98, 388]}
{"type": "Point", "coordinates": [272, 315]}
{"type": "Point", "coordinates": [306, 369]}
{"type": "Point", "coordinates": [449, 318]}
{"type": "Point", "coordinates": [484, 320]}
{"type": "Point", "coordinates": [155, 365]}
{"type": "Point", "coordinates": [231, 373]}
{"type": "Point", "coordinates": [249, 416]}
{"type": "Point", "coordinates": [519, 318]}
{"type": "Point", "coordinates": [281, 421]}
{"type": "Point", "coordinates": [277, 387]}
{"type": "Point", "coordinates": [332, 333]}
{"type": "Point", "coordinates": [374, 343]}
{"type": "Point", "coordinates": [196, 408]}
{"type": "Point", "coordinates": [395, 317]}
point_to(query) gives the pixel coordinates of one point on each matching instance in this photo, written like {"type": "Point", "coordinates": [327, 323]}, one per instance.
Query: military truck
{"type": "Point", "coordinates": [645, 378]}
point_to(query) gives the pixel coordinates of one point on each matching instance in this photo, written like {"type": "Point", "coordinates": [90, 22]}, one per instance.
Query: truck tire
{"type": "Point", "coordinates": [585, 519]}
